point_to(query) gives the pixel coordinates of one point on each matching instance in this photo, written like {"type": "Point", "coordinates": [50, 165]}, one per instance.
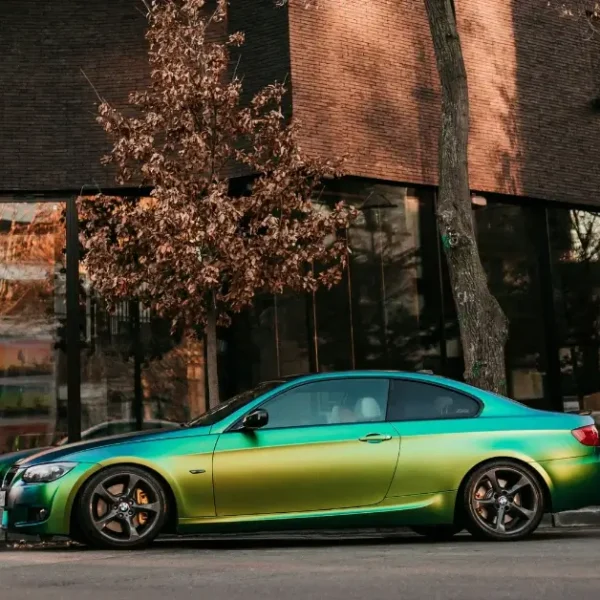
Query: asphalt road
{"type": "Point", "coordinates": [551, 565]}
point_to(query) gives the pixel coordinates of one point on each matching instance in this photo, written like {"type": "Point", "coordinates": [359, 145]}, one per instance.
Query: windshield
{"type": "Point", "coordinates": [227, 408]}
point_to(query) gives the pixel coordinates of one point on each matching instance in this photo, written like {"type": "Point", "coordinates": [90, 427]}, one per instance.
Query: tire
{"type": "Point", "coordinates": [437, 533]}
{"type": "Point", "coordinates": [502, 501]}
{"type": "Point", "coordinates": [122, 508]}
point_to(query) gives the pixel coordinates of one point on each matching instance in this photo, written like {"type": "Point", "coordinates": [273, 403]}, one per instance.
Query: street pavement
{"type": "Point", "coordinates": [553, 564]}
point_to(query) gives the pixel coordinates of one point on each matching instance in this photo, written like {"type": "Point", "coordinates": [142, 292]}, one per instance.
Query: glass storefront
{"type": "Point", "coordinates": [507, 236]}
{"type": "Point", "coordinates": [384, 314]}
{"type": "Point", "coordinates": [394, 307]}
{"type": "Point", "coordinates": [172, 374]}
{"type": "Point", "coordinates": [575, 256]}
{"type": "Point", "coordinates": [136, 372]}
{"type": "Point", "coordinates": [394, 323]}
{"type": "Point", "coordinates": [392, 310]}
{"type": "Point", "coordinates": [32, 309]}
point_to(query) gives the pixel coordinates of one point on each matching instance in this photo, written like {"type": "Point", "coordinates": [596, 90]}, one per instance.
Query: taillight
{"type": "Point", "coordinates": [588, 435]}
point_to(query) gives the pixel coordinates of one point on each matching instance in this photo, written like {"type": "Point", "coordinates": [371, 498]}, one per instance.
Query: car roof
{"type": "Point", "coordinates": [425, 374]}
{"type": "Point", "coordinates": [495, 404]}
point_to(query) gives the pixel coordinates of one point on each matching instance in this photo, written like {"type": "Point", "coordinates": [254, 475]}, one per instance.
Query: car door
{"type": "Point", "coordinates": [438, 428]}
{"type": "Point", "coordinates": [326, 446]}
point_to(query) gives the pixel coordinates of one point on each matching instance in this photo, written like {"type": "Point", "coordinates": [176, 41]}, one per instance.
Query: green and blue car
{"type": "Point", "coordinates": [360, 449]}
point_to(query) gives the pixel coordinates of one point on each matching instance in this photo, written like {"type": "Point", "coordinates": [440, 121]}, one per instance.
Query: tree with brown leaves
{"type": "Point", "coordinates": [193, 251]}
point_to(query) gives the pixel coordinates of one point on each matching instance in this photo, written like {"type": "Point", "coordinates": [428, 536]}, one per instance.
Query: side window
{"type": "Point", "coordinates": [329, 402]}
{"type": "Point", "coordinates": [418, 401]}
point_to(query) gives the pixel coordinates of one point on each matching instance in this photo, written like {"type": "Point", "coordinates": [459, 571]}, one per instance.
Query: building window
{"type": "Point", "coordinates": [575, 256]}
{"type": "Point", "coordinates": [507, 236]}
{"type": "Point", "coordinates": [252, 347]}
{"type": "Point", "coordinates": [32, 302]}
{"type": "Point", "coordinates": [385, 314]}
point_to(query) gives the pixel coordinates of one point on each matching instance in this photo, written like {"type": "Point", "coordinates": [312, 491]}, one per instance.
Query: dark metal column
{"type": "Point", "coordinates": [136, 340]}
{"type": "Point", "coordinates": [553, 376]}
{"type": "Point", "coordinates": [73, 324]}
{"type": "Point", "coordinates": [312, 333]}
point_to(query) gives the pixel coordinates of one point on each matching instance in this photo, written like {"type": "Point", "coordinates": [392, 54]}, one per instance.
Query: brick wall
{"type": "Point", "coordinates": [365, 83]}
{"type": "Point", "coordinates": [265, 57]}
{"type": "Point", "coordinates": [48, 135]}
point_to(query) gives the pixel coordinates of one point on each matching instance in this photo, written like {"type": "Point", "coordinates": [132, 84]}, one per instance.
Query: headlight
{"type": "Point", "coordinates": [46, 473]}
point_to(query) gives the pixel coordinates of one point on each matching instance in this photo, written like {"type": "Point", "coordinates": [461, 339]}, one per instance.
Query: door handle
{"type": "Point", "coordinates": [375, 438]}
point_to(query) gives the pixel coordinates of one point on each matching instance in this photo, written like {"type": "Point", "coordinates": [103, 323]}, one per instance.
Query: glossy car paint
{"type": "Point", "coordinates": [307, 477]}
{"type": "Point", "coordinates": [303, 469]}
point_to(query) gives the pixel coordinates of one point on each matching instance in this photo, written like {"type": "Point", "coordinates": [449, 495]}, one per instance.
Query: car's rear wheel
{"type": "Point", "coordinates": [122, 508]}
{"type": "Point", "coordinates": [503, 500]}
{"type": "Point", "coordinates": [437, 533]}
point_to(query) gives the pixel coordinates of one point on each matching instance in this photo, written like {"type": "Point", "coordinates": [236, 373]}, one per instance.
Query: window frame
{"type": "Point", "coordinates": [447, 388]}
{"type": "Point", "coordinates": [235, 426]}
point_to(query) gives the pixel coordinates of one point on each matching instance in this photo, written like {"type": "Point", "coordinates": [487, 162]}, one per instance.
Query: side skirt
{"type": "Point", "coordinates": [429, 509]}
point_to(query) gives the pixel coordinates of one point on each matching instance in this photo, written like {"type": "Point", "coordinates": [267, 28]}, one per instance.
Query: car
{"type": "Point", "coordinates": [358, 449]}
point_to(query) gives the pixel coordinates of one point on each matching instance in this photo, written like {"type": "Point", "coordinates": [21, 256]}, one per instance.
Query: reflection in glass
{"type": "Point", "coordinates": [173, 373]}
{"type": "Point", "coordinates": [394, 322]}
{"type": "Point", "coordinates": [294, 336]}
{"type": "Point", "coordinates": [252, 348]}
{"type": "Point", "coordinates": [106, 369]}
{"type": "Point", "coordinates": [331, 311]}
{"type": "Point", "coordinates": [575, 251]}
{"type": "Point", "coordinates": [265, 342]}
{"type": "Point", "coordinates": [506, 235]}
{"type": "Point", "coordinates": [169, 367]}
{"type": "Point", "coordinates": [31, 302]}
{"type": "Point", "coordinates": [383, 314]}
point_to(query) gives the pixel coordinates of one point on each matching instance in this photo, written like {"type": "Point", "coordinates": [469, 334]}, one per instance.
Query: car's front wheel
{"type": "Point", "coordinates": [502, 500]}
{"type": "Point", "coordinates": [122, 508]}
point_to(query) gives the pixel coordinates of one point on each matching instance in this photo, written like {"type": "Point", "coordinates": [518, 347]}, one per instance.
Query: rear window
{"type": "Point", "coordinates": [420, 401]}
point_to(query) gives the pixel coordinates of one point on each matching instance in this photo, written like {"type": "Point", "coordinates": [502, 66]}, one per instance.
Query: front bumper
{"type": "Point", "coordinates": [43, 508]}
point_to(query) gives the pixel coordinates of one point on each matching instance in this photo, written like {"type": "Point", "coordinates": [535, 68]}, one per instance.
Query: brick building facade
{"type": "Point", "coordinates": [363, 82]}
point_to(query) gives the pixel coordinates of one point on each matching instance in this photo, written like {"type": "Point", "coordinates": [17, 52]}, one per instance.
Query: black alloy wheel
{"type": "Point", "coordinates": [122, 508]}
{"type": "Point", "coordinates": [503, 500]}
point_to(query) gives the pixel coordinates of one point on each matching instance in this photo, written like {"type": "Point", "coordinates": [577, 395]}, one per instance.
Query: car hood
{"type": "Point", "coordinates": [67, 450]}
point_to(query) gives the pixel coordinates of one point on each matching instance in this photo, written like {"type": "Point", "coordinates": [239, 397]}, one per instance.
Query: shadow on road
{"type": "Point", "coordinates": [225, 543]}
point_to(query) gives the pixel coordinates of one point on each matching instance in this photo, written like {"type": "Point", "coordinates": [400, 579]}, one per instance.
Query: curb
{"type": "Point", "coordinates": [586, 517]}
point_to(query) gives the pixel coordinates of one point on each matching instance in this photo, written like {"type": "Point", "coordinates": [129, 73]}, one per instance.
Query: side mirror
{"type": "Point", "coordinates": [255, 420]}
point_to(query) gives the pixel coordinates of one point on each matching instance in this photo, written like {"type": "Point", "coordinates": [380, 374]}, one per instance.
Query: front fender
{"type": "Point", "coordinates": [57, 496]}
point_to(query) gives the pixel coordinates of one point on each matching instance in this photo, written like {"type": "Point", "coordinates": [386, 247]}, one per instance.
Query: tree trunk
{"type": "Point", "coordinates": [483, 325]}
{"type": "Point", "coordinates": [211, 356]}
